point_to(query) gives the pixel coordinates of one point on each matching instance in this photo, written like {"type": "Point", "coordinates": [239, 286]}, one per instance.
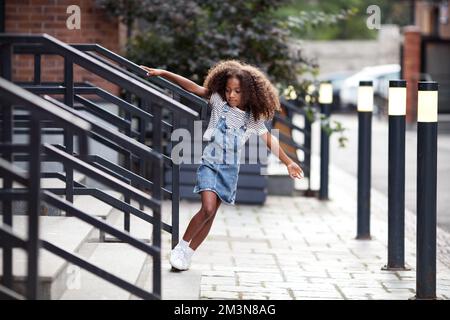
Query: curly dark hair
{"type": "Point", "coordinates": [259, 96]}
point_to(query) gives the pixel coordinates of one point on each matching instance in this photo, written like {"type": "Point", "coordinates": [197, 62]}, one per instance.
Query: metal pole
{"type": "Point", "coordinates": [68, 136]}
{"type": "Point", "coordinates": [396, 176]}
{"type": "Point", "coordinates": [426, 190]}
{"type": "Point", "coordinates": [33, 211]}
{"type": "Point", "coordinates": [308, 155]}
{"type": "Point", "coordinates": [324, 153]}
{"type": "Point", "coordinates": [157, 175]}
{"type": "Point", "coordinates": [175, 190]}
{"type": "Point", "coordinates": [142, 133]}
{"type": "Point", "coordinates": [37, 69]}
{"type": "Point", "coordinates": [128, 166]}
{"type": "Point", "coordinates": [325, 101]}
{"type": "Point", "coordinates": [365, 107]}
{"type": "Point", "coordinates": [7, 137]}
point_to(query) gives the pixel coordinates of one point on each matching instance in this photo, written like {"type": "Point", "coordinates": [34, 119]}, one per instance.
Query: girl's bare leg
{"type": "Point", "coordinates": [201, 223]}
{"type": "Point", "coordinates": [198, 238]}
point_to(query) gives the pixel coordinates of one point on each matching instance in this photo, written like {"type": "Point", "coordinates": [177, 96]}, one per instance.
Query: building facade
{"type": "Point", "coordinates": [426, 53]}
{"type": "Point", "coordinates": [55, 18]}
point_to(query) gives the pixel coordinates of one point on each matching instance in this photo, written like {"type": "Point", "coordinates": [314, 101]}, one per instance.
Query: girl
{"type": "Point", "coordinates": [242, 98]}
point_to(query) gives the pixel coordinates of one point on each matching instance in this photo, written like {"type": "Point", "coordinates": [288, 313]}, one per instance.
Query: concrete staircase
{"type": "Point", "coordinates": [62, 280]}
{"type": "Point", "coordinates": [130, 264]}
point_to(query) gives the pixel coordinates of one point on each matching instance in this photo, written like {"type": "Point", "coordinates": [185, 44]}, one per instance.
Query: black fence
{"type": "Point", "coordinates": [122, 137]}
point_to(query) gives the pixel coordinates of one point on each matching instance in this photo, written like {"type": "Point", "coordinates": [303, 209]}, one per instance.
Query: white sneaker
{"type": "Point", "coordinates": [177, 258]}
{"type": "Point", "coordinates": [180, 258]}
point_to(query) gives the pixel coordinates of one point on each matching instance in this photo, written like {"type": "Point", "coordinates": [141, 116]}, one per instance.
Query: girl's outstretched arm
{"type": "Point", "coordinates": [183, 82]}
{"type": "Point", "coordinates": [272, 143]}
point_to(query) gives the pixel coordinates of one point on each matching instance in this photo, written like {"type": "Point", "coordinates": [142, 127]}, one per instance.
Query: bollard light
{"type": "Point", "coordinates": [427, 102]}
{"type": "Point", "coordinates": [427, 126]}
{"type": "Point", "coordinates": [365, 109]}
{"type": "Point", "coordinates": [326, 93]}
{"type": "Point", "coordinates": [396, 176]}
{"type": "Point", "coordinates": [397, 98]}
{"type": "Point", "coordinates": [325, 101]}
{"type": "Point", "coordinates": [365, 96]}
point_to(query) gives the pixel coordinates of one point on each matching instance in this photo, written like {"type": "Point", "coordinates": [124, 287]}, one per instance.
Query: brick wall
{"type": "Point", "coordinates": [444, 29]}
{"type": "Point", "coordinates": [426, 14]}
{"type": "Point", "coordinates": [411, 69]}
{"type": "Point", "coordinates": [49, 16]}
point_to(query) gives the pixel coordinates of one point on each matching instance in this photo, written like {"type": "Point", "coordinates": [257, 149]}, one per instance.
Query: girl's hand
{"type": "Point", "coordinates": [152, 72]}
{"type": "Point", "coordinates": [294, 170]}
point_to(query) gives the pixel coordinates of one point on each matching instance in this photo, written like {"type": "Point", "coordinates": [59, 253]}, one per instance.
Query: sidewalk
{"type": "Point", "coordinates": [303, 248]}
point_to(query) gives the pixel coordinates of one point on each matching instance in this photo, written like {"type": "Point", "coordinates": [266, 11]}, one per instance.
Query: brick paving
{"type": "Point", "coordinates": [303, 248]}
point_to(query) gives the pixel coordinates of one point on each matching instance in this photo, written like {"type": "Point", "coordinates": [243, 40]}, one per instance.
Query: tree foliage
{"type": "Point", "coordinates": [341, 19]}
{"type": "Point", "coordinates": [188, 37]}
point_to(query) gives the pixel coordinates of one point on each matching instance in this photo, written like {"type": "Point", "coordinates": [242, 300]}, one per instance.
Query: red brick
{"type": "Point", "coordinates": [49, 16]}
{"type": "Point", "coordinates": [411, 69]}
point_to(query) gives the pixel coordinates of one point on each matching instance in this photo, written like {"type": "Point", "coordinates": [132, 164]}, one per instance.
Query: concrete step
{"type": "Point", "coordinates": [20, 207]}
{"type": "Point", "coordinates": [116, 257]}
{"type": "Point", "coordinates": [50, 182]}
{"type": "Point", "coordinates": [176, 285]}
{"type": "Point", "coordinates": [69, 233]}
{"type": "Point", "coordinates": [66, 232]}
{"type": "Point", "coordinates": [61, 280]}
{"type": "Point", "coordinates": [119, 259]}
{"type": "Point", "coordinates": [93, 206]}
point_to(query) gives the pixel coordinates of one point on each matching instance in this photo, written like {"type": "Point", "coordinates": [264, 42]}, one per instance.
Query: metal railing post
{"type": "Point", "coordinates": [426, 189]}
{"type": "Point", "coordinates": [68, 135]}
{"type": "Point", "coordinates": [33, 209]}
{"type": "Point", "coordinates": [324, 154]}
{"type": "Point", "coordinates": [175, 190]}
{"type": "Point", "coordinates": [142, 134]}
{"type": "Point", "coordinates": [365, 110]}
{"type": "Point", "coordinates": [37, 69]}
{"type": "Point", "coordinates": [7, 136]}
{"type": "Point", "coordinates": [157, 175]}
{"type": "Point", "coordinates": [128, 164]}
{"type": "Point", "coordinates": [308, 144]}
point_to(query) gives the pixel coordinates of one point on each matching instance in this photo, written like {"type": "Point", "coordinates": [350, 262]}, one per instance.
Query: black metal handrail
{"type": "Point", "coordinates": [39, 49]}
{"type": "Point", "coordinates": [104, 165]}
{"type": "Point", "coordinates": [45, 44]}
{"type": "Point", "coordinates": [198, 104]}
{"type": "Point", "coordinates": [295, 107]}
{"type": "Point", "coordinates": [40, 110]}
{"type": "Point", "coordinates": [105, 71]}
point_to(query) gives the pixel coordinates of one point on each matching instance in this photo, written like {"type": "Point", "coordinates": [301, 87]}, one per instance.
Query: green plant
{"type": "Point", "coordinates": [188, 37]}
{"type": "Point", "coordinates": [337, 128]}
{"type": "Point", "coordinates": [312, 113]}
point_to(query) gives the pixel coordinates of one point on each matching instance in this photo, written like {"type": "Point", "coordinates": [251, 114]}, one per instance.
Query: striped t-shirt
{"type": "Point", "coordinates": [235, 118]}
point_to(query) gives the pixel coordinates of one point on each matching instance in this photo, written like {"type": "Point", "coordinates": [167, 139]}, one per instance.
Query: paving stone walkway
{"type": "Point", "coordinates": [303, 248]}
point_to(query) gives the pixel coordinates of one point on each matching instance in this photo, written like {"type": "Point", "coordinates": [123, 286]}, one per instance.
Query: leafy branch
{"type": "Point", "coordinates": [312, 114]}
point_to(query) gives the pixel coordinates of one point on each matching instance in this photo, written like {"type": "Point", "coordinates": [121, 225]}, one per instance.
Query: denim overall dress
{"type": "Point", "coordinates": [219, 169]}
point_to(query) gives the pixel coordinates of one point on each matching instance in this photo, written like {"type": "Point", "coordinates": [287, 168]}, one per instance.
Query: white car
{"type": "Point", "coordinates": [380, 75]}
